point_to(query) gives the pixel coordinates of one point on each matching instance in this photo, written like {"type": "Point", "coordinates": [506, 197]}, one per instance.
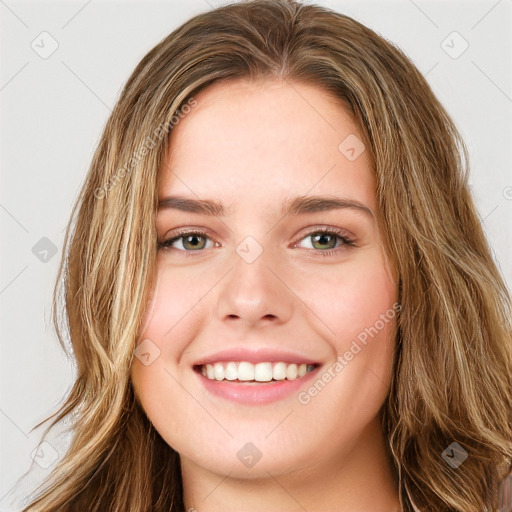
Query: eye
{"type": "Point", "coordinates": [325, 240]}
{"type": "Point", "coordinates": [188, 240]}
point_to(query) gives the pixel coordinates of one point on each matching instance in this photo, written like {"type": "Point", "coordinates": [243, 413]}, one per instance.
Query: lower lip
{"type": "Point", "coordinates": [252, 394]}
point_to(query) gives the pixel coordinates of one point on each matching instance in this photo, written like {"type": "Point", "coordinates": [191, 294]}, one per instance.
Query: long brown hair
{"type": "Point", "coordinates": [452, 380]}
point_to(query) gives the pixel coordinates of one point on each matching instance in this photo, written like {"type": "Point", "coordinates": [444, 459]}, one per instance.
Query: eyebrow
{"type": "Point", "coordinates": [289, 206]}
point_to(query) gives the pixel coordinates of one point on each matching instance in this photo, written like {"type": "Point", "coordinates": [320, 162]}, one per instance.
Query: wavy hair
{"type": "Point", "coordinates": [452, 370]}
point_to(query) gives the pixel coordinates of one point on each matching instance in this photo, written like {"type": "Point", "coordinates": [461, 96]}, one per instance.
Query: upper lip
{"type": "Point", "coordinates": [255, 356]}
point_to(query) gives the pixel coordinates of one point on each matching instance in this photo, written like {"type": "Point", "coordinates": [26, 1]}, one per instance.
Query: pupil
{"type": "Point", "coordinates": [320, 238]}
{"type": "Point", "coordinates": [193, 237]}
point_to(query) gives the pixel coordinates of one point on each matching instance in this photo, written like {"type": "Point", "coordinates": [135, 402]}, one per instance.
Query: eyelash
{"type": "Point", "coordinates": [346, 240]}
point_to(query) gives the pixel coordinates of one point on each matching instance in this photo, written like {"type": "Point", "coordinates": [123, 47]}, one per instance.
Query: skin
{"type": "Point", "coordinates": [249, 145]}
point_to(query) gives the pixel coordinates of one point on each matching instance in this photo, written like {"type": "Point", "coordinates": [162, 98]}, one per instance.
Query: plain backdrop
{"type": "Point", "coordinates": [63, 65]}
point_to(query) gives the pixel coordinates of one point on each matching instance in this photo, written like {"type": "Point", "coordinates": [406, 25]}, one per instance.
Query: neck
{"type": "Point", "coordinates": [362, 480]}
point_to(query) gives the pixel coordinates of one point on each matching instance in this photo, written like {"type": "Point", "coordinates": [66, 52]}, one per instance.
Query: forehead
{"type": "Point", "coordinates": [266, 140]}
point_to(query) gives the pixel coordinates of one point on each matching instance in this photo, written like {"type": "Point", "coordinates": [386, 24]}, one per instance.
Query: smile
{"type": "Point", "coordinates": [244, 371]}
{"type": "Point", "coordinates": [255, 376]}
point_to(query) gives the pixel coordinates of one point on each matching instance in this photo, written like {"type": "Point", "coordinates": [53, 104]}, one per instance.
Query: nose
{"type": "Point", "coordinates": [255, 293]}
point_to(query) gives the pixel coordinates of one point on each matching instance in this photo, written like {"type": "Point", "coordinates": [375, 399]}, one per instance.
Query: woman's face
{"type": "Point", "coordinates": [257, 293]}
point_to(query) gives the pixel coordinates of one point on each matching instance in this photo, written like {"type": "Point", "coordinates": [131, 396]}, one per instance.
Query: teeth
{"type": "Point", "coordinates": [231, 372]}
{"type": "Point", "coordinates": [218, 371]}
{"type": "Point", "coordinates": [260, 372]}
{"type": "Point", "coordinates": [279, 371]}
{"type": "Point", "coordinates": [245, 371]}
{"type": "Point", "coordinates": [291, 372]}
{"type": "Point", "coordinates": [263, 372]}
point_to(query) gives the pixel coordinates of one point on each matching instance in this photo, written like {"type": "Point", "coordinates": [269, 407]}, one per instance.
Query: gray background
{"type": "Point", "coordinates": [54, 107]}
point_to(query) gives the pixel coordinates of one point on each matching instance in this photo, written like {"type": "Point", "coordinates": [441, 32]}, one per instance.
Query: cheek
{"type": "Point", "coordinates": [171, 319]}
{"type": "Point", "coordinates": [353, 299]}
{"type": "Point", "coordinates": [360, 308]}
{"type": "Point", "coordinates": [174, 309]}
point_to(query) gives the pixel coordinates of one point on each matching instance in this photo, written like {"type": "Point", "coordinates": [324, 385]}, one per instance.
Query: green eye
{"type": "Point", "coordinates": [190, 241]}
